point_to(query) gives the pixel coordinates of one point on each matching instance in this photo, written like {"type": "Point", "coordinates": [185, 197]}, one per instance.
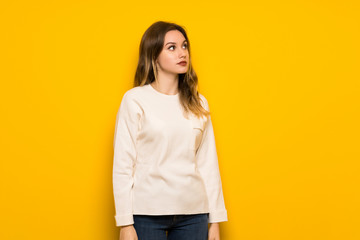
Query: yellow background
{"type": "Point", "coordinates": [281, 78]}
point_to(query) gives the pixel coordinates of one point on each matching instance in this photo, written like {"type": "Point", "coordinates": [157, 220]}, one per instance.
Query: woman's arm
{"type": "Point", "coordinates": [207, 164]}
{"type": "Point", "coordinates": [126, 128]}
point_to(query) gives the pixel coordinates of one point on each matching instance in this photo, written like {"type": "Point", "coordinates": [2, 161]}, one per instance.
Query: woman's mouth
{"type": "Point", "coordinates": [182, 63]}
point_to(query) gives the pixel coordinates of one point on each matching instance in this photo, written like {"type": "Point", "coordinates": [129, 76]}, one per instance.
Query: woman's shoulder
{"type": "Point", "coordinates": [204, 101]}
{"type": "Point", "coordinates": [202, 97]}
{"type": "Point", "coordinates": [134, 92]}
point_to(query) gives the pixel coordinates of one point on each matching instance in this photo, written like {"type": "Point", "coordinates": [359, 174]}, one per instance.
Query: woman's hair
{"type": "Point", "coordinates": [151, 45]}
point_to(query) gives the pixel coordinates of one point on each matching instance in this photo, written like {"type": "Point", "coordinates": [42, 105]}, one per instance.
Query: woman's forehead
{"type": "Point", "coordinates": [174, 36]}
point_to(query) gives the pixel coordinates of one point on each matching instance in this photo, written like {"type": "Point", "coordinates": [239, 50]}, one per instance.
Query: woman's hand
{"type": "Point", "coordinates": [128, 233]}
{"type": "Point", "coordinates": [214, 231]}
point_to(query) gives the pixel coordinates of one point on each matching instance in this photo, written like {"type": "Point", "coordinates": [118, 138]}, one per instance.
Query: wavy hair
{"type": "Point", "coordinates": [151, 46]}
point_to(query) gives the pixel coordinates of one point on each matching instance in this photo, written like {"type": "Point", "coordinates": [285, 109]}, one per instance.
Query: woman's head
{"type": "Point", "coordinates": [154, 56]}
{"type": "Point", "coordinates": [175, 51]}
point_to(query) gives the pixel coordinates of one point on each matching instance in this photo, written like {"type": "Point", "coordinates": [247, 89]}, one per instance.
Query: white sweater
{"type": "Point", "coordinates": [164, 163]}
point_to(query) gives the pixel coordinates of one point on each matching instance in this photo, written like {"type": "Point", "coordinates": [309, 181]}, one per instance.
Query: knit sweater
{"type": "Point", "coordinates": [164, 163]}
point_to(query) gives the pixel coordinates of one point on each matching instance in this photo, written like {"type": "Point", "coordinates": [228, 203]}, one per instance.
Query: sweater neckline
{"type": "Point", "coordinates": [173, 96]}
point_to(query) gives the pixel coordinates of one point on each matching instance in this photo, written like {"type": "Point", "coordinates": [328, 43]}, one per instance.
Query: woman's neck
{"type": "Point", "coordinates": [166, 84]}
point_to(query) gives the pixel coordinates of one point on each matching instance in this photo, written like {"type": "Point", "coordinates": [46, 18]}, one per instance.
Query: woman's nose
{"type": "Point", "coordinates": [182, 52]}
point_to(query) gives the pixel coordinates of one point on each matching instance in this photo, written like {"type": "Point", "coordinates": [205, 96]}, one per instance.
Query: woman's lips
{"type": "Point", "coordinates": [182, 63]}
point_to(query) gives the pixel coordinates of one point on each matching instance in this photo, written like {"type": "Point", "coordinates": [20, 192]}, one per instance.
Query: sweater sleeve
{"type": "Point", "coordinates": [126, 127]}
{"type": "Point", "coordinates": [207, 163]}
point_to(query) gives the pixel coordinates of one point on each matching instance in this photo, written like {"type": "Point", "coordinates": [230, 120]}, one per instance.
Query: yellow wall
{"type": "Point", "coordinates": [281, 78]}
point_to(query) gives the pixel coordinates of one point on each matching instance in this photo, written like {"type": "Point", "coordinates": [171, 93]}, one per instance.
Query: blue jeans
{"type": "Point", "coordinates": [172, 227]}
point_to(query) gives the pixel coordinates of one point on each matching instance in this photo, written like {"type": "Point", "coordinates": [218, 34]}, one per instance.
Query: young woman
{"type": "Point", "coordinates": [166, 178]}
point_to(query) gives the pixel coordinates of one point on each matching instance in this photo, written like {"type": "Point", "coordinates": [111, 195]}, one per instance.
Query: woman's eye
{"type": "Point", "coordinates": [173, 46]}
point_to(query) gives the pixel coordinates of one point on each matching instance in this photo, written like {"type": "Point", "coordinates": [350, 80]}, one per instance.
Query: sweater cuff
{"type": "Point", "coordinates": [218, 216]}
{"type": "Point", "coordinates": [123, 220]}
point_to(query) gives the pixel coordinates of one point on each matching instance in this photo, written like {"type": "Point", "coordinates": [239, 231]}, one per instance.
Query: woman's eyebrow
{"type": "Point", "coordinates": [174, 42]}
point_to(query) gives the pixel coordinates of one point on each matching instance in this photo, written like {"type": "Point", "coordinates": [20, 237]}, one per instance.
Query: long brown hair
{"type": "Point", "coordinates": [150, 48]}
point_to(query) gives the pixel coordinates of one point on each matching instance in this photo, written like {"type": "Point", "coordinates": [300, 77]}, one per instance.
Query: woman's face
{"type": "Point", "coordinates": [174, 51]}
